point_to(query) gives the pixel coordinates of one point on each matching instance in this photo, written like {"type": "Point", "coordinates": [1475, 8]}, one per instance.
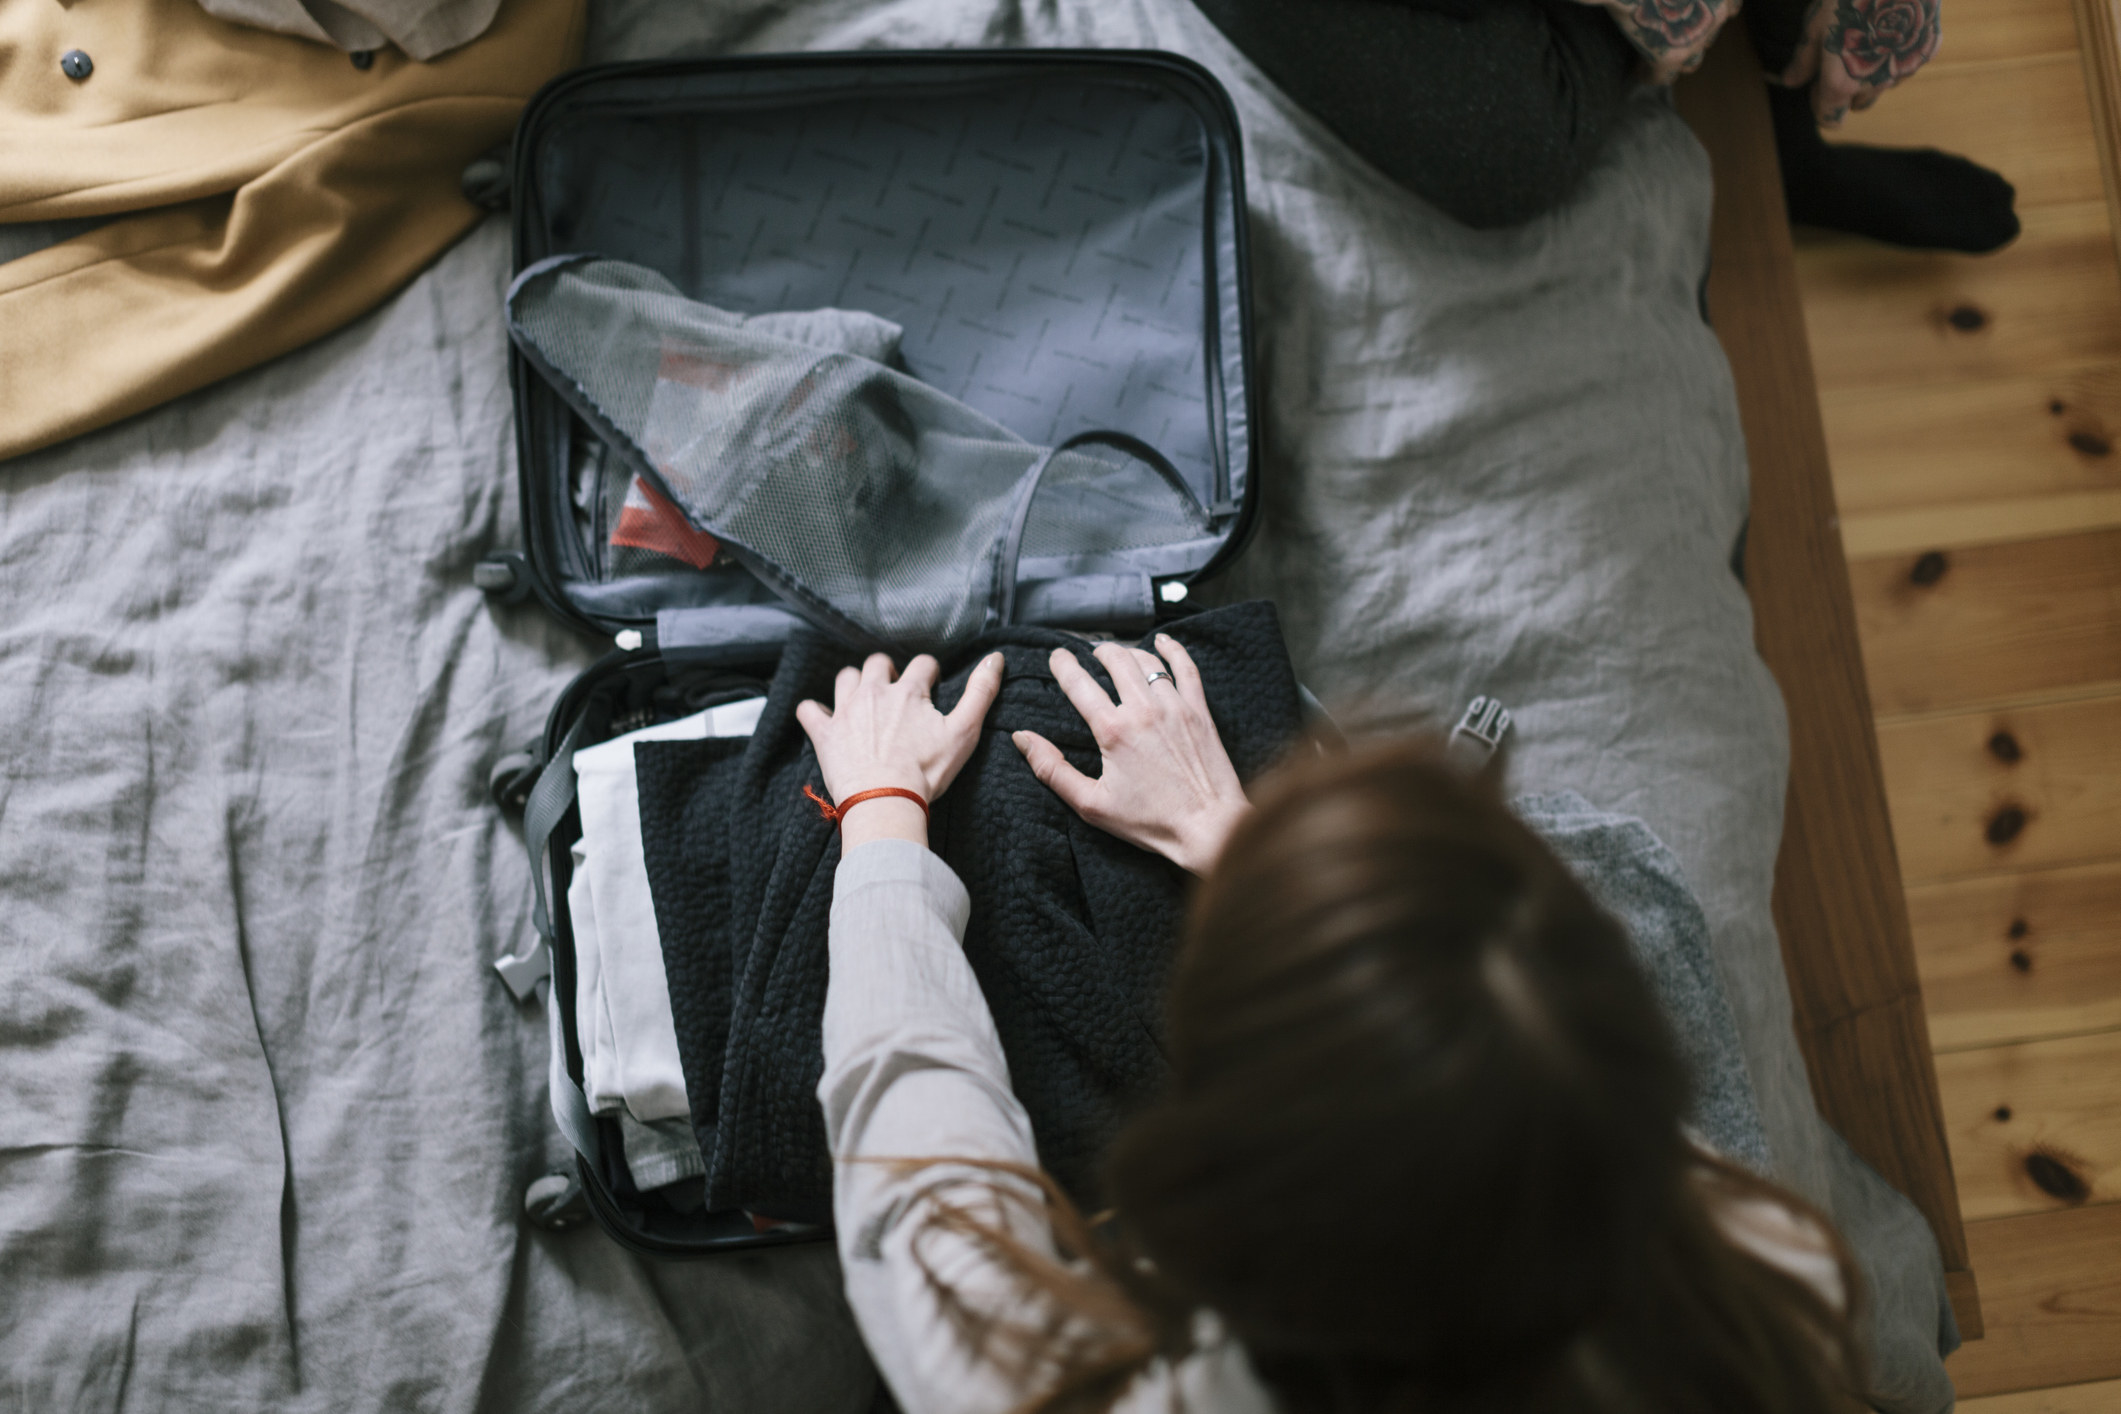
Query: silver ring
{"type": "Point", "coordinates": [1161, 676]}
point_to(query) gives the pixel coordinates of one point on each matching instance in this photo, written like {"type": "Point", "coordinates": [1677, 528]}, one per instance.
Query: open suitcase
{"type": "Point", "coordinates": [1058, 238]}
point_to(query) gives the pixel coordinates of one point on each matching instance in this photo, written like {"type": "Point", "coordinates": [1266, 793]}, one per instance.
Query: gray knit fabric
{"type": "Point", "coordinates": [1637, 880]}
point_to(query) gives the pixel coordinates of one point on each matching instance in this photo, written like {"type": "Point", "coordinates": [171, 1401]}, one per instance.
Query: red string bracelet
{"type": "Point", "coordinates": [838, 813]}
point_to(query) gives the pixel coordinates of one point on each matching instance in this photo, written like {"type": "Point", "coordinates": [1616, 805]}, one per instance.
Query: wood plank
{"type": "Point", "coordinates": [2034, 1126]}
{"type": "Point", "coordinates": [2031, 121]}
{"type": "Point", "coordinates": [1911, 532]}
{"type": "Point", "coordinates": [2013, 788]}
{"type": "Point", "coordinates": [2019, 956]}
{"type": "Point", "coordinates": [1838, 906]}
{"type": "Point", "coordinates": [2100, 1398]}
{"type": "Point", "coordinates": [1880, 316]}
{"type": "Point", "coordinates": [1989, 31]}
{"type": "Point", "coordinates": [1952, 627]}
{"type": "Point", "coordinates": [2051, 1300]}
{"type": "Point", "coordinates": [2021, 436]}
{"type": "Point", "coordinates": [2103, 1397]}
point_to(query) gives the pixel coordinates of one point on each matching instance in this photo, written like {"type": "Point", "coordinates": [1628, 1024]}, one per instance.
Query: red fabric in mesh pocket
{"type": "Point", "coordinates": [648, 521]}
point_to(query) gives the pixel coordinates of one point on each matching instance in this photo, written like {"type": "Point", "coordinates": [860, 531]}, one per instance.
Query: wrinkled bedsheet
{"type": "Point", "coordinates": [268, 1115]}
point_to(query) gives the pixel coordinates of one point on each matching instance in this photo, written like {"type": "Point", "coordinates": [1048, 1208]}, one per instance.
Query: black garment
{"type": "Point", "coordinates": [1070, 935]}
{"type": "Point", "coordinates": [1489, 109]}
{"type": "Point", "coordinates": [1492, 110]}
{"type": "Point", "coordinates": [1916, 197]}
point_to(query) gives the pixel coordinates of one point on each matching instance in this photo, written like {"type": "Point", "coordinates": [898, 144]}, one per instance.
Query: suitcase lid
{"type": "Point", "coordinates": [1059, 234]}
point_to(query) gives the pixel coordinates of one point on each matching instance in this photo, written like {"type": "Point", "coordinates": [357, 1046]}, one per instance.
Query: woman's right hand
{"type": "Point", "coordinates": [1167, 784]}
{"type": "Point", "coordinates": [883, 731]}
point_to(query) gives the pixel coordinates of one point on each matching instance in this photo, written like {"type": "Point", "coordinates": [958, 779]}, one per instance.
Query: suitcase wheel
{"type": "Point", "coordinates": [487, 181]}
{"type": "Point", "coordinates": [511, 779]}
{"type": "Point", "coordinates": [555, 1202]}
{"type": "Point", "coordinates": [500, 577]}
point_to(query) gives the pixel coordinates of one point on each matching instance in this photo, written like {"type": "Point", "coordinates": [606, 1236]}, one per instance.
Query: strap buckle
{"type": "Point", "coordinates": [1478, 734]}
{"type": "Point", "coordinates": [523, 971]}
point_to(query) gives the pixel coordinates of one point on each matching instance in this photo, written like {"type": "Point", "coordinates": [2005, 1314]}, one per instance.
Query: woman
{"type": "Point", "coordinates": [1421, 1148]}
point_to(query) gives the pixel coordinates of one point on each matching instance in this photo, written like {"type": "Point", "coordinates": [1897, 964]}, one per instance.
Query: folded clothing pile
{"type": "Point", "coordinates": [630, 1068]}
{"type": "Point", "coordinates": [1071, 935]}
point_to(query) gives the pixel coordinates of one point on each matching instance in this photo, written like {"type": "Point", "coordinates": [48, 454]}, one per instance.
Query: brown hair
{"type": "Point", "coordinates": [1421, 1145]}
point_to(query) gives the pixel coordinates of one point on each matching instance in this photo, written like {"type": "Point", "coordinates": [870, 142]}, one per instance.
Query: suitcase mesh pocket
{"type": "Point", "coordinates": [879, 497]}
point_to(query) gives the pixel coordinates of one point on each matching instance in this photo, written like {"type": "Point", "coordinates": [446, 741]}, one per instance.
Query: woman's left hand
{"type": "Point", "coordinates": [1672, 35]}
{"type": "Point", "coordinates": [1167, 784]}
{"type": "Point", "coordinates": [883, 730]}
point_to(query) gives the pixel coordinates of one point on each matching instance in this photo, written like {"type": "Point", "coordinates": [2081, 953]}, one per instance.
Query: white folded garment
{"type": "Point", "coordinates": [622, 997]}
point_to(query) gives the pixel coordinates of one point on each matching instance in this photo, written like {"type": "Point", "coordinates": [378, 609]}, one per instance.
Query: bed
{"type": "Point", "coordinates": [271, 1116]}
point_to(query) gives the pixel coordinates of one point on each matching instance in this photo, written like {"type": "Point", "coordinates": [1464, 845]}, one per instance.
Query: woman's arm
{"type": "Point", "coordinates": [914, 1070]}
{"type": "Point", "coordinates": [913, 1067]}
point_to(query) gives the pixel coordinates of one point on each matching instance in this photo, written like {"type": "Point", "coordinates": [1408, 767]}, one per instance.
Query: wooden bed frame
{"type": "Point", "coordinates": [1838, 901]}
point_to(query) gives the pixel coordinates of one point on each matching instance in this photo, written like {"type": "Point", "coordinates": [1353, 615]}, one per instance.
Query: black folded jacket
{"type": "Point", "coordinates": [1071, 931]}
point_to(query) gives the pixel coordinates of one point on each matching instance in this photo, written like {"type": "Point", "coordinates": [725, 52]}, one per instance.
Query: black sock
{"type": "Point", "coordinates": [1906, 196]}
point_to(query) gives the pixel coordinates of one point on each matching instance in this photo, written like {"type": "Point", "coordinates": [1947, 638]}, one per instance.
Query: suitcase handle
{"type": "Point", "coordinates": [1009, 550]}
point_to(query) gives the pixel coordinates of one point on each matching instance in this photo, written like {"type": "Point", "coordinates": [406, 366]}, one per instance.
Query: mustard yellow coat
{"type": "Point", "coordinates": [268, 190]}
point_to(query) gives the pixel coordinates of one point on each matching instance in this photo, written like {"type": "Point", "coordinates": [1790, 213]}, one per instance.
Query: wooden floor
{"type": "Point", "coordinates": [1973, 414]}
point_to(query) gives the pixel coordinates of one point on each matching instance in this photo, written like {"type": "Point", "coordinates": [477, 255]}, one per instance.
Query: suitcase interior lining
{"type": "Point", "coordinates": [1047, 235]}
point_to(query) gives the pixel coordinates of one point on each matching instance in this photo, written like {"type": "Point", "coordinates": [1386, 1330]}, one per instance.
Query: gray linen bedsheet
{"type": "Point", "coordinates": [267, 1116]}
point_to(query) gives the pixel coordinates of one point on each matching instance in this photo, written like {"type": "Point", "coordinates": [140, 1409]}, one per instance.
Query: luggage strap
{"type": "Point", "coordinates": [1009, 550]}
{"type": "Point", "coordinates": [531, 970]}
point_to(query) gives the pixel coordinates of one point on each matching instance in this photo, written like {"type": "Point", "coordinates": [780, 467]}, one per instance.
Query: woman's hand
{"type": "Point", "coordinates": [1167, 784]}
{"type": "Point", "coordinates": [1855, 50]}
{"type": "Point", "coordinates": [883, 730]}
{"type": "Point", "coordinates": [1673, 35]}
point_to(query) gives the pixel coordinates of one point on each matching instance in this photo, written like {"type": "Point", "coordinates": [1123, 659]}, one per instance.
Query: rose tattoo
{"type": "Point", "coordinates": [1854, 50]}
{"type": "Point", "coordinates": [1881, 42]}
{"type": "Point", "coordinates": [1672, 34]}
{"type": "Point", "coordinates": [1661, 26]}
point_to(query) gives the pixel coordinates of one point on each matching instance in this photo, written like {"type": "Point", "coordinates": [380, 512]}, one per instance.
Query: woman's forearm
{"type": "Point", "coordinates": [914, 1071]}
